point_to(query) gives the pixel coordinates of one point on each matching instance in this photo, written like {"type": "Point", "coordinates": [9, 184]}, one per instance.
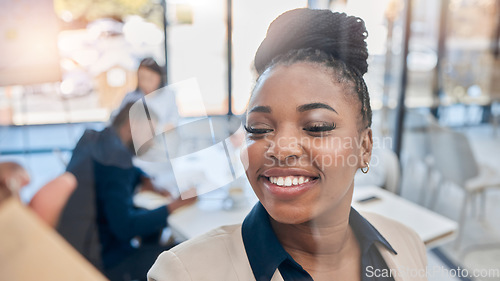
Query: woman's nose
{"type": "Point", "coordinates": [282, 147]}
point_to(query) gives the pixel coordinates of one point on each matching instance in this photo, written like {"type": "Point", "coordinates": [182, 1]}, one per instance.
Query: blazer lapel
{"type": "Point", "coordinates": [401, 266]}
{"type": "Point", "coordinates": [389, 260]}
{"type": "Point", "coordinates": [277, 276]}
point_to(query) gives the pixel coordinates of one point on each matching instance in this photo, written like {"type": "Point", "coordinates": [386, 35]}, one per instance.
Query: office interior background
{"type": "Point", "coordinates": [432, 63]}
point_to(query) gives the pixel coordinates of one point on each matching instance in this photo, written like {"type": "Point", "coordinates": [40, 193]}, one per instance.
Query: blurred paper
{"type": "Point", "coordinates": [150, 200]}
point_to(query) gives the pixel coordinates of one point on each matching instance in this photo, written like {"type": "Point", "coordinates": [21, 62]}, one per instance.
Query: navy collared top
{"type": "Point", "coordinates": [107, 180]}
{"type": "Point", "coordinates": [266, 254]}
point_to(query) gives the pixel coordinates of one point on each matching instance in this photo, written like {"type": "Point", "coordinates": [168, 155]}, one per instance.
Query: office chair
{"type": "Point", "coordinates": [454, 159]}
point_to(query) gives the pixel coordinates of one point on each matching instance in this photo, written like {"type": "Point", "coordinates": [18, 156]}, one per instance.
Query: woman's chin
{"type": "Point", "coordinates": [288, 214]}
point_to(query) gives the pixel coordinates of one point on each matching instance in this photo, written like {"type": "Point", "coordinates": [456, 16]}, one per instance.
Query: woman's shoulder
{"type": "Point", "coordinates": [392, 230]}
{"type": "Point", "coordinates": [216, 255]}
{"type": "Point", "coordinates": [208, 240]}
{"type": "Point", "coordinates": [411, 251]}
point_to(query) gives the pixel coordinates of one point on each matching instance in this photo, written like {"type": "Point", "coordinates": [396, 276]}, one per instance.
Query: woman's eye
{"type": "Point", "coordinates": [257, 131]}
{"type": "Point", "coordinates": [318, 128]}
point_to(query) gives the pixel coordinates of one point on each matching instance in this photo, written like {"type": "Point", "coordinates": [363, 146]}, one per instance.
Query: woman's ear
{"type": "Point", "coordinates": [366, 147]}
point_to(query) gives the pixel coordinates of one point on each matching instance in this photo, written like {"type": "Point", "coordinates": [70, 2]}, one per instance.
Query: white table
{"type": "Point", "coordinates": [433, 228]}
{"type": "Point", "coordinates": [208, 213]}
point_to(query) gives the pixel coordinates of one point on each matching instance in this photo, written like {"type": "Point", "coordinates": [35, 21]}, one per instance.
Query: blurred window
{"type": "Point", "coordinates": [197, 49]}
{"type": "Point", "coordinates": [250, 22]}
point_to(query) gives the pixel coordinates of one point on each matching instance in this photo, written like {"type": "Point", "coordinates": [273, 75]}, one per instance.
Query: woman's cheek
{"type": "Point", "coordinates": [335, 158]}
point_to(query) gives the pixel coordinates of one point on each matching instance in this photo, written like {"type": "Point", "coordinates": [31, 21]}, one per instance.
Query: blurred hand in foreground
{"type": "Point", "coordinates": [13, 176]}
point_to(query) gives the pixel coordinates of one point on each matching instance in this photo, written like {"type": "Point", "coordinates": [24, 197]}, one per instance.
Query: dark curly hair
{"type": "Point", "coordinates": [333, 40]}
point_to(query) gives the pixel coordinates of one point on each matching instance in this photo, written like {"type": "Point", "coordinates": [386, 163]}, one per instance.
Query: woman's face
{"type": "Point", "coordinates": [148, 80]}
{"type": "Point", "coordinates": [304, 144]}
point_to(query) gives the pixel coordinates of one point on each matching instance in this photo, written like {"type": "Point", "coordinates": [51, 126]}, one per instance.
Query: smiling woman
{"type": "Point", "coordinates": [308, 132]}
{"type": "Point", "coordinates": [280, 134]}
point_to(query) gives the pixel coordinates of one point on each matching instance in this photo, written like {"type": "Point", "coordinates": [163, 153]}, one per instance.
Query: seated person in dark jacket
{"type": "Point", "coordinates": [107, 181]}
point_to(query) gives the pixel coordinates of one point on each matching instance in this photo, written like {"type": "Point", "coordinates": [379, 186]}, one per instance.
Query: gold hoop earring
{"type": "Point", "coordinates": [367, 168]}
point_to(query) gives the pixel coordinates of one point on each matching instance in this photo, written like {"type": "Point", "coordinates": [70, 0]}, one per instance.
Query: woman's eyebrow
{"type": "Point", "coordinates": [315, 105]}
{"type": "Point", "coordinates": [260, 108]}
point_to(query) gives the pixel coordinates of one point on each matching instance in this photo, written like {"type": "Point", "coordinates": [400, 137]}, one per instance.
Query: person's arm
{"type": "Point", "coordinates": [190, 198]}
{"type": "Point", "coordinates": [114, 188]}
{"type": "Point", "coordinates": [51, 198]}
{"type": "Point", "coordinates": [115, 196]}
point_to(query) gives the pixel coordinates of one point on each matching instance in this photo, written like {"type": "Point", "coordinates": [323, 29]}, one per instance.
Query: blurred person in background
{"type": "Point", "coordinates": [100, 219]}
{"type": "Point", "coordinates": [151, 83]}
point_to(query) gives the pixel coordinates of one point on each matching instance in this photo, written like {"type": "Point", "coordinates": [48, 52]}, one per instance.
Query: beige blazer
{"type": "Point", "coordinates": [219, 255]}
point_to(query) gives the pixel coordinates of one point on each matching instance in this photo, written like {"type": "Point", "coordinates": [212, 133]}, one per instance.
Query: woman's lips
{"type": "Point", "coordinates": [288, 183]}
{"type": "Point", "coordinates": [290, 187]}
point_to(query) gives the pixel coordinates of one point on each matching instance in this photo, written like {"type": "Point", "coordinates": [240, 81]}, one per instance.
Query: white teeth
{"type": "Point", "coordinates": [280, 181]}
{"type": "Point", "coordinates": [289, 180]}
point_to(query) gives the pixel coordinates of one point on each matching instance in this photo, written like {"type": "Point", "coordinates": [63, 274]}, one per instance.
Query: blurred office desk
{"type": "Point", "coordinates": [433, 228]}
{"type": "Point", "coordinates": [209, 213]}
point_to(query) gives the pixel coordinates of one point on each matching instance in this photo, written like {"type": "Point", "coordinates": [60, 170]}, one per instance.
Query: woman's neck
{"type": "Point", "coordinates": [327, 241]}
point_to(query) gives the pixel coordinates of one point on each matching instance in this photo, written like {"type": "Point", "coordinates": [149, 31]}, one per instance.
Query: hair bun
{"type": "Point", "coordinates": [337, 34]}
